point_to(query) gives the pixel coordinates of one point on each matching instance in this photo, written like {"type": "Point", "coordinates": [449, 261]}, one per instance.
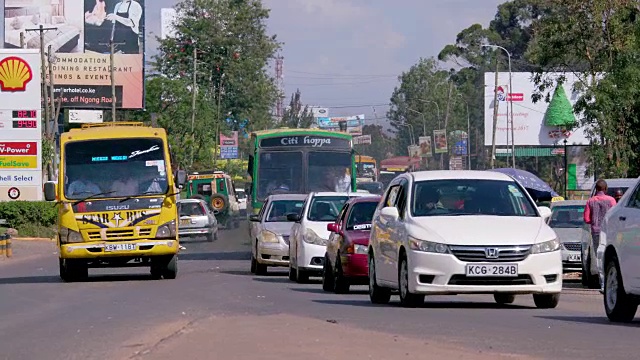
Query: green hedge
{"type": "Point", "coordinates": [30, 218]}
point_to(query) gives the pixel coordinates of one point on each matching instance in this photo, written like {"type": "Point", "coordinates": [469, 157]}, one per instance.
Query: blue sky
{"type": "Point", "coordinates": [346, 54]}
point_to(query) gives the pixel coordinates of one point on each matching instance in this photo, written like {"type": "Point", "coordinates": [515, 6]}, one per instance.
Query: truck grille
{"type": "Point", "coordinates": [118, 234]}
{"type": "Point", "coordinates": [491, 253]}
{"type": "Point", "coordinates": [572, 246]}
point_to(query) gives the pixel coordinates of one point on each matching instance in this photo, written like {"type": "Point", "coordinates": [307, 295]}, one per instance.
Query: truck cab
{"type": "Point", "coordinates": [216, 189]}
{"type": "Point", "coordinates": [116, 200]}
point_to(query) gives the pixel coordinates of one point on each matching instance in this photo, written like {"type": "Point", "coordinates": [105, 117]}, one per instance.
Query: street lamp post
{"type": "Point", "coordinates": [513, 141]}
{"type": "Point", "coordinates": [468, 132]}
{"type": "Point", "coordinates": [566, 171]}
{"type": "Point", "coordinates": [437, 109]}
{"type": "Point", "coordinates": [424, 121]}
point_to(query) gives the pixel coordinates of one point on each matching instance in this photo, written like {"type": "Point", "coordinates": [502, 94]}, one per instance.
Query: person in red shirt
{"type": "Point", "coordinates": [595, 210]}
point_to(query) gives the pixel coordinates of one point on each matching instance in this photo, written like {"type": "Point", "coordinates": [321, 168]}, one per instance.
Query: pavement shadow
{"type": "Point", "coordinates": [272, 279]}
{"type": "Point", "coordinates": [426, 305]}
{"type": "Point", "coordinates": [222, 256]}
{"type": "Point", "coordinates": [49, 279]}
{"type": "Point", "coordinates": [45, 279]}
{"type": "Point", "coordinates": [320, 291]}
{"type": "Point", "coordinates": [597, 320]}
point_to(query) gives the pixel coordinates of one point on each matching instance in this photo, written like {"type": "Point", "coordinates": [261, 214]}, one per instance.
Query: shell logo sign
{"type": "Point", "coordinates": [15, 74]}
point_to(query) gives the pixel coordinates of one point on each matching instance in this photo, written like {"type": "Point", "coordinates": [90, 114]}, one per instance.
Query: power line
{"type": "Point", "coordinates": [344, 75]}
{"type": "Point", "coordinates": [354, 106]}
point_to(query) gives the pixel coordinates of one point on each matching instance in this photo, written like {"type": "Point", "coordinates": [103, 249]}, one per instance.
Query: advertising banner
{"type": "Point", "coordinates": [353, 124]}
{"type": "Point", "coordinates": [229, 146]}
{"type": "Point", "coordinates": [440, 140]}
{"type": "Point", "coordinates": [85, 116]}
{"type": "Point", "coordinates": [20, 125]}
{"type": "Point", "coordinates": [425, 146]}
{"type": "Point", "coordinates": [79, 33]}
{"type": "Point", "coordinates": [529, 118]}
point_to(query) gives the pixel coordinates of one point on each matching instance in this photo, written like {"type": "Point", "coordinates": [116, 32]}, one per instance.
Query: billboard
{"type": "Point", "coordinates": [425, 146]}
{"type": "Point", "coordinates": [353, 124]}
{"type": "Point", "coordinates": [78, 33]}
{"type": "Point", "coordinates": [529, 126]}
{"type": "Point", "coordinates": [229, 146]}
{"type": "Point", "coordinates": [319, 111]}
{"type": "Point", "coordinates": [167, 18]}
{"type": "Point", "coordinates": [20, 125]}
{"type": "Point", "coordinates": [440, 141]}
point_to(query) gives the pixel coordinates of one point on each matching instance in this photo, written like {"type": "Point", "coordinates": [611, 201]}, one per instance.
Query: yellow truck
{"type": "Point", "coordinates": [116, 198]}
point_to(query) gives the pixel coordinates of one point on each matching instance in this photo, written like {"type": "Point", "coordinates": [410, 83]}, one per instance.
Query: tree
{"type": "Point", "coordinates": [297, 116]}
{"type": "Point", "coordinates": [226, 41]}
{"type": "Point", "coordinates": [381, 145]}
{"type": "Point", "coordinates": [596, 41]}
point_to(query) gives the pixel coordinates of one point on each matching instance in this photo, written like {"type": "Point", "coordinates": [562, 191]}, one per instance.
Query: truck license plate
{"type": "Point", "coordinates": [491, 270]}
{"type": "Point", "coordinates": [119, 247]}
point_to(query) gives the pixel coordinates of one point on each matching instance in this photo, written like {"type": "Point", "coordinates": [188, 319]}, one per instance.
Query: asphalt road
{"type": "Point", "coordinates": [119, 312]}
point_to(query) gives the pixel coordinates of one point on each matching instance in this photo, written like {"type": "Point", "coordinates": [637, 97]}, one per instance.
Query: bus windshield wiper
{"type": "Point", "coordinates": [92, 196]}
{"type": "Point", "coordinates": [148, 192]}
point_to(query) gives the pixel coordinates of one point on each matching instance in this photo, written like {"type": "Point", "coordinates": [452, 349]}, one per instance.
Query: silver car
{"type": "Point", "coordinates": [270, 229]}
{"type": "Point", "coordinates": [196, 219]}
{"type": "Point", "coordinates": [568, 223]}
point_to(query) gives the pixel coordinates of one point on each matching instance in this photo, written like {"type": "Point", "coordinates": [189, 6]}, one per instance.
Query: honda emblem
{"type": "Point", "coordinates": [491, 253]}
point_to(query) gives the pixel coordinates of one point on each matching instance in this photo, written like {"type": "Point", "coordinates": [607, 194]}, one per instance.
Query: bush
{"type": "Point", "coordinates": [30, 218]}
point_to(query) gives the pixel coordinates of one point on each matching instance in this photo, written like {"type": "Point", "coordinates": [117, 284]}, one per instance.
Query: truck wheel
{"type": "Point", "coordinates": [219, 202]}
{"type": "Point", "coordinates": [72, 270]}
{"type": "Point", "coordinates": [171, 269]}
{"type": "Point", "coordinates": [164, 266]}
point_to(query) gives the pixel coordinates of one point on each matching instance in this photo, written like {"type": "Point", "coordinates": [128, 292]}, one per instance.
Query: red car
{"type": "Point", "coordinates": [345, 262]}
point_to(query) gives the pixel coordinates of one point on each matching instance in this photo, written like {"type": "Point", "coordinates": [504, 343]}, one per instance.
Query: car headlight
{"type": "Point", "coordinates": [428, 246]}
{"type": "Point", "coordinates": [166, 230]}
{"type": "Point", "coordinates": [357, 249]}
{"type": "Point", "coordinates": [310, 237]}
{"type": "Point", "coordinates": [547, 246]}
{"type": "Point", "coordinates": [268, 237]}
{"type": "Point", "coordinates": [70, 236]}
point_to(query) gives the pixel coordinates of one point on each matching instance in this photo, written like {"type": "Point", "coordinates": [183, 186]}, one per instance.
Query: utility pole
{"type": "Point", "coordinates": [194, 87]}
{"type": "Point", "coordinates": [45, 92]}
{"type": "Point", "coordinates": [51, 59]}
{"type": "Point", "coordinates": [495, 117]}
{"type": "Point", "coordinates": [22, 42]}
{"type": "Point", "coordinates": [446, 120]}
{"type": "Point", "coordinates": [112, 51]}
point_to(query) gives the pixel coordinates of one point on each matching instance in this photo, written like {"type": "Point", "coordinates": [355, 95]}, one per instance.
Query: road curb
{"type": "Point", "coordinates": [32, 239]}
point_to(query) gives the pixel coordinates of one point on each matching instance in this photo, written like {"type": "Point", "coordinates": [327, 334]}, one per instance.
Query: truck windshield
{"type": "Point", "coordinates": [114, 168]}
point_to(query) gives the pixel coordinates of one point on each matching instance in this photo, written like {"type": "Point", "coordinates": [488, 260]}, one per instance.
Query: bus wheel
{"type": "Point", "coordinates": [166, 267]}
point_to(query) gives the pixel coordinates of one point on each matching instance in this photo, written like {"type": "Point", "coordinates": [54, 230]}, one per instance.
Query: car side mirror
{"type": "Point", "coordinates": [333, 227]}
{"type": "Point", "coordinates": [180, 178]}
{"type": "Point", "coordinates": [545, 212]}
{"type": "Point", "coordinates": [293, 217]}
{"type": "Point", "coordinates": [50, 191]}
{"type": "Point", "coordinates": [254, 218]}
{"type": "Point", "coordinates": [390, 212]}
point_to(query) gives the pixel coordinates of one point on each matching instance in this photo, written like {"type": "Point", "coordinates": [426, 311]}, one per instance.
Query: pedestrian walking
{"type": "Point", "coordinates": [595, 210]}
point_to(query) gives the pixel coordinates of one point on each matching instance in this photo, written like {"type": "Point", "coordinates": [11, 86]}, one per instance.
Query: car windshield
{"type": "Point", "coordinates": [281, 208]}
{"type": "Point", "coordinates": [326, 208]}
{"type": "Point", "coordinates": [191, 209]}
{"type": "Point", "coordinates": [280, 172]}
{"type": "Point", "coordinates": [470, 197]}
{"type": "Point", "coordinates": [114, 168]}
{"type": "Point", "coordinates": [361, 215]}
{"type": "Point", "coordinates": [241, 195]}
{"type": "Point", "coordinates": [329, 171]}
{"type": "Point", "coordinates": [567, 216]}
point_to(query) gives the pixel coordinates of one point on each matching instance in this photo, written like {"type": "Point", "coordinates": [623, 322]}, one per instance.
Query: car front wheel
{"type": "Point", "coordinates": [618, 305]}
{"type": "Point", "coordinates": [407, 299]}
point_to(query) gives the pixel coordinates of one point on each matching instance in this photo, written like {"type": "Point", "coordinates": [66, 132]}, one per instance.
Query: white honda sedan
{"type": "Point", "coordinates": [462, 232]}
{"type": "Point", "coordinates": [309, 234]}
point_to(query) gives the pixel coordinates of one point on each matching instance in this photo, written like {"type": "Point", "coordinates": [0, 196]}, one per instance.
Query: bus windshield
{"type": "Point", "coordinates": [282, 172]}
{"type": "Point", "coordinates": [114, 168]}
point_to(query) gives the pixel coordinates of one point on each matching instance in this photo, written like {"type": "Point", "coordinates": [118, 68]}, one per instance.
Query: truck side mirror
{"type": "Point", "coordinates": [50, 191]}
{"type": "Point", "coordinates": [180, 178]}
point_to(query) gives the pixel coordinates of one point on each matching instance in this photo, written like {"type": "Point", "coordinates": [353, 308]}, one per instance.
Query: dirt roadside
{"type": "Point", "coordinates": [28, 249]}
{"type": "Point", "coordinates": [285, 336]}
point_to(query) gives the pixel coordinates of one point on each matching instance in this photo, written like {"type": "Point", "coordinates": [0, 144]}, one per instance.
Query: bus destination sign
{"type": "Point", "coordinates": [306, 141]}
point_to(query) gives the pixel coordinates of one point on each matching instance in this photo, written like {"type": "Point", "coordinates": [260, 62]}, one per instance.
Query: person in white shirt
{"type": "Point", "coordinates": [126, 26]}
{"type": "Point", "coordinates": [82, 187]}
